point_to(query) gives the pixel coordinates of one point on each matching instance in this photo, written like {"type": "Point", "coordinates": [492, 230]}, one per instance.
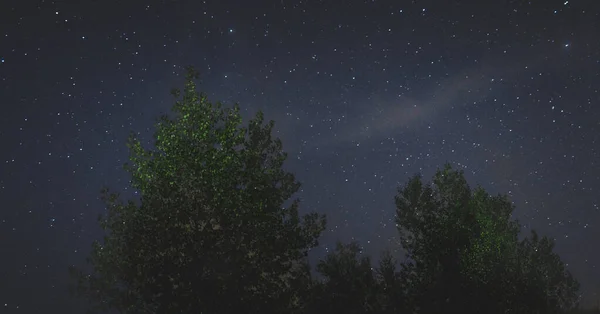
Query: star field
{"type": "Point", "coordinates": [364, 95]}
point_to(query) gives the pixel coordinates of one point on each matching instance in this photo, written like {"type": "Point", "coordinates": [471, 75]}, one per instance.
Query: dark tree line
{"type": "Point", "coordinates": [210, 234]}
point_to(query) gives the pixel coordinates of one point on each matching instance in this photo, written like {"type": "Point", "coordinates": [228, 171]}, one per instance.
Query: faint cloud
{"type": "Point", "coordinates": [384, 117]}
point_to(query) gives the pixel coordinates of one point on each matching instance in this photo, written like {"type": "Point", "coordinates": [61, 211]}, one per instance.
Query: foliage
{"type": "Point", "coordinates": [211, 234]}
{"type": "Point", "coordinates": [351, 285]}
{"type": "Point", "coordinates": [465, 253]}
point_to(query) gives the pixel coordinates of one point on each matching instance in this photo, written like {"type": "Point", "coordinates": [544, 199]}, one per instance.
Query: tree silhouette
{"type": "Point", "coordinates": [391, 286]}
{"type": "Point", "coordinates": [210, 233]}
{"type": "Point", "coordinates": [465, 255]}
{"type": "Point", "coordinates": [349, 285]}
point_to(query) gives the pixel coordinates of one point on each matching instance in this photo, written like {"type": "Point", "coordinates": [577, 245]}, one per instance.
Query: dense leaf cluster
{"type": "Point", "coordinates": [210, 234]}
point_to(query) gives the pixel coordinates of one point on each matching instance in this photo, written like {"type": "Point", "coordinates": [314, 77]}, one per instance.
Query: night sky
{"type": "Point", "coordinates": [364, 94]}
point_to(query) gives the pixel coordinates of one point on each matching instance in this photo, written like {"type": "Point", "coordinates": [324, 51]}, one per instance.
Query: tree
{"type": "Point", "coordinates": [350, 284]}
{"type": "Point", "coordinates": [465, 255]}
{"type": "Point", "coordinates": [210, 233]}
{"type": "Point", "coordinates": [548, 285]}
{"type": "Point", "coordinates": [391, 283]}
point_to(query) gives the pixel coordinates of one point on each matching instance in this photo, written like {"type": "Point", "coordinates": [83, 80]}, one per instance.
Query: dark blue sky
{"type": "Point", "coordinates": [364, 95]}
